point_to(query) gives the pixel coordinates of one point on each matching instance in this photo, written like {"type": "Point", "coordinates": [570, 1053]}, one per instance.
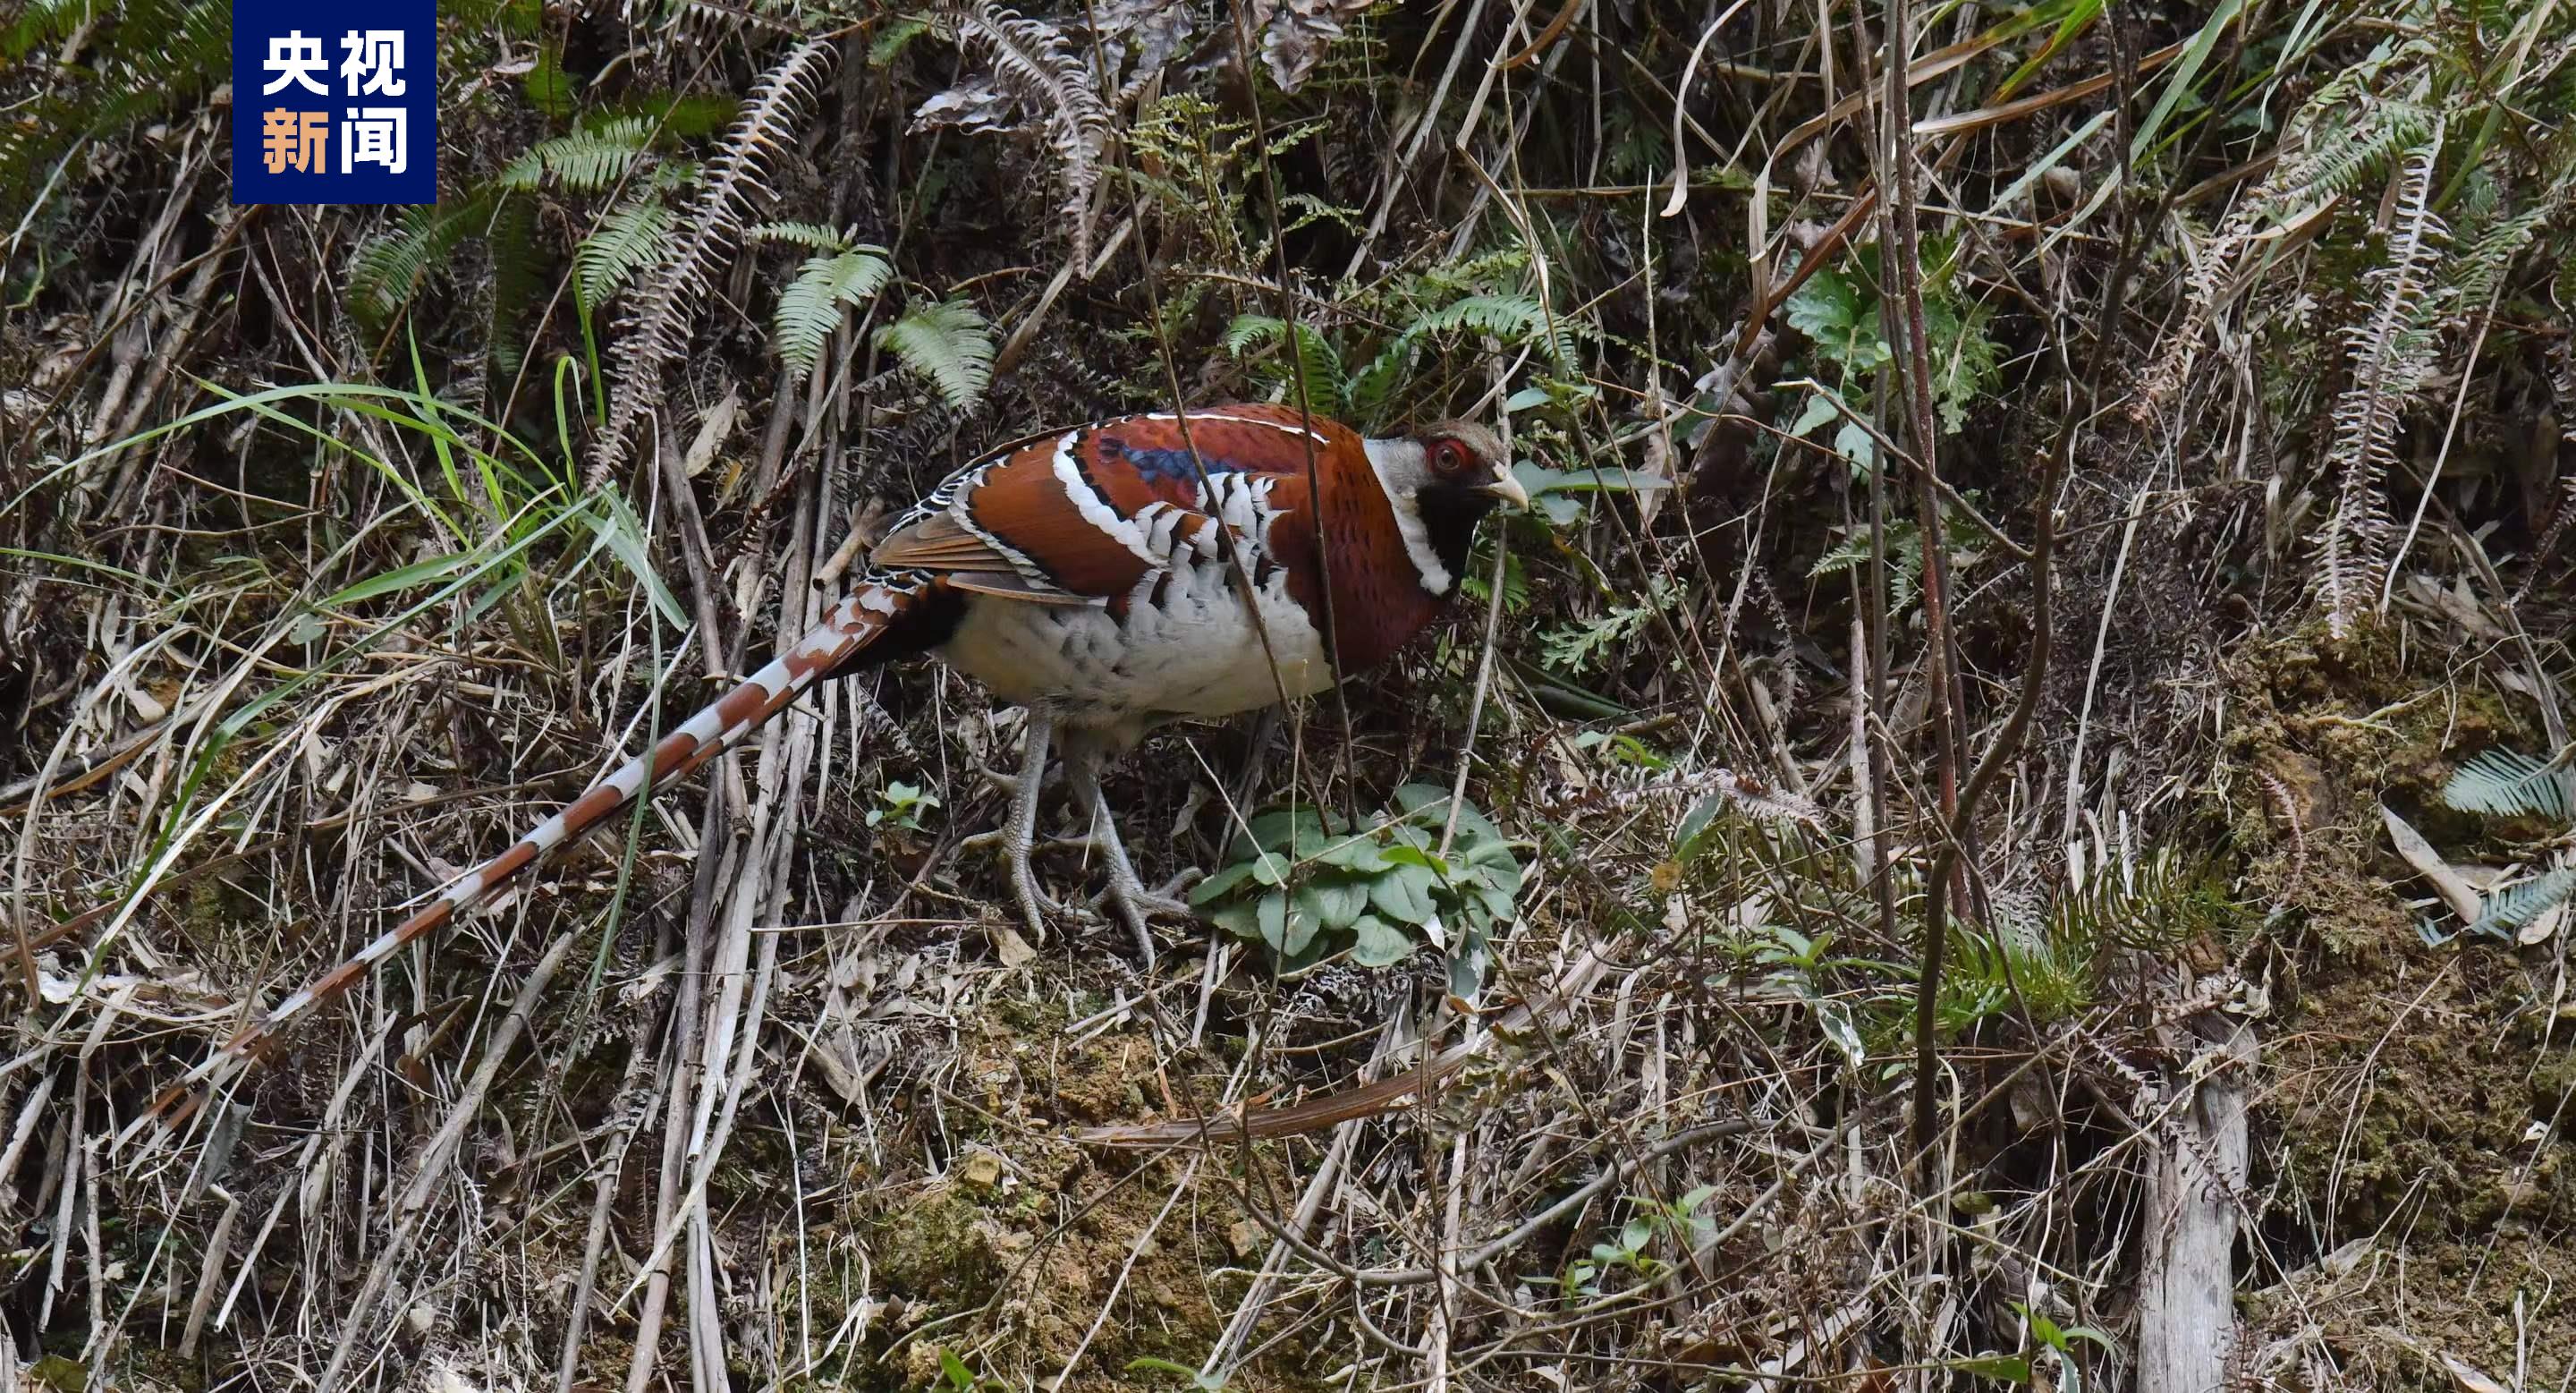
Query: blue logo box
{"type": "Point", "coordinates": [334, 102]}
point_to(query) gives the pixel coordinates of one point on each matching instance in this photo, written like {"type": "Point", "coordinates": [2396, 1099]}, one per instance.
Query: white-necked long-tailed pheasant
{"type": "Point", "coordinates": [1109, 578]}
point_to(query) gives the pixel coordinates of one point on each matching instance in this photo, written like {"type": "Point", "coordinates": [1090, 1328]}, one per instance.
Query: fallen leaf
{"type": "Point", "coordinates": [2428, 863]}
{"type": "Point", "coordinates": [1658, 463]}
{"type": "Point", "coordinates": [712, 433]}
{"type": "Point", "coordinates": [1009, 948]}
{"type": "Point", "coordinates": [1296, 34]}
{"type": "Point", "coordinates": [2468, 1378]}
{"type": "Point", "coordinates": [2543, 927]}
{"type": "Point", "coordinates": [2480, 878]}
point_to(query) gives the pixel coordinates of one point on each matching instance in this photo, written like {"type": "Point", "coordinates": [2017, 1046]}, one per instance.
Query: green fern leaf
{"type": "Point", "coordinates": [1326, 380]}
{"type": "Point", "coordinates": [812, 236]}
{"type": "Point", "coordinates": [1251, 332]}
{"type": "Point", "coordinates": [589, 160]}
{"type": "Point", "coordinates": [810, 308]}
{"type": "Point", "coordinates": [2508, 783]}
{"type": "Point", "coordinates": [1486, 268]}
{"type": "Point", "coordinates": [42, 22]}
{"type": "Point", "coordinates": [1510, 319]}
{"type": "Point", "coordinates": [949, 344]}
{"type": "Point", "coordinates": [628, 240]}
{"type": "Point", "coordinates": [897, 36]}
{"type": "Point", "coordinates": [389, 266]}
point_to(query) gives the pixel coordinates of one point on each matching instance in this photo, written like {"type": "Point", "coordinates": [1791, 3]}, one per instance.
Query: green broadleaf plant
{"type": "Point", "coordinates": [1302, 882]}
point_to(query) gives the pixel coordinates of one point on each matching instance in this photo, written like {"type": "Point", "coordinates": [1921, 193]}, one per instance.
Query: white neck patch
{"type": "Point", "coordinates": [1401, 469]}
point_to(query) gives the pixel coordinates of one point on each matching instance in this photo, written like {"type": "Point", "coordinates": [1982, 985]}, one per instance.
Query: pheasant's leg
{"type": "Point", "coordinates": [1134, 901]}
{"type": "Point", "coordinates": [1019, 835]}
{"type": "Point", "coordinates": [1007, 783]}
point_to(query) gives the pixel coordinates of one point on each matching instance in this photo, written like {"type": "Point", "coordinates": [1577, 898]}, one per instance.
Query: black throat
{"type": "Point", "coordinates": [1449, 515]}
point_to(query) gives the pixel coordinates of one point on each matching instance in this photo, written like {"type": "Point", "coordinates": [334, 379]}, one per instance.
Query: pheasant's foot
{"type": "Point", "coordinates": [1135, 905]}
{"type": "Point", "coordinates": [1034, 903]}
{"type": "Point", "coordinates": [1158, 903]}
{"type": "Point", "coordinates": [1126, 894]}
{"type": "Point", "coordinates": [999, 839]}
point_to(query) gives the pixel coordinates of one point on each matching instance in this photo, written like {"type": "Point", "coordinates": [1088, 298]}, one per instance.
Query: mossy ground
{"type": "Point", "coordinates": [1020, 1241]}
{"type": "Point", "coordinates": [2405, 1184]}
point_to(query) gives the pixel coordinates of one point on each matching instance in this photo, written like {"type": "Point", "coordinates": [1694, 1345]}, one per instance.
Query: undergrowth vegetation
{"type": "Point", "coordinates": [2005, 818]}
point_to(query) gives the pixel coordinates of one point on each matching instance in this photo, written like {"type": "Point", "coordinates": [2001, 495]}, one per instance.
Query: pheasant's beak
{"type": "Point", "coordinates": [1506, 488]}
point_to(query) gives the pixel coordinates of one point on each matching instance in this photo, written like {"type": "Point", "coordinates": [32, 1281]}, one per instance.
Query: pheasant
{"type": "Point", "coordinates": [1108, 579]}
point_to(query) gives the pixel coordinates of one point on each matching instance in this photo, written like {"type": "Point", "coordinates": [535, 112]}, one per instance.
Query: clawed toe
{"type": "Point", "coordinates": [1135, 904]}
{"type": "Point", "coordinates": [1035, 904]}
{"type": "Point", "coordinates": [1151, 904]}
{"type": "Point", "coordinates": [1017, 838]}
{"type": "Point", "coordinates": [999, 840]}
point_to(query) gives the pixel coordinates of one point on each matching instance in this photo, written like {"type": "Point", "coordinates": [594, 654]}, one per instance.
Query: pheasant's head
{"type": "Point", "coordinates": [1441, 483]}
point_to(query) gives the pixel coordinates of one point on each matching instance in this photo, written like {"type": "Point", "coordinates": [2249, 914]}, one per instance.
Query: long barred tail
{"type": "Point", "coordinates": [855, 622]}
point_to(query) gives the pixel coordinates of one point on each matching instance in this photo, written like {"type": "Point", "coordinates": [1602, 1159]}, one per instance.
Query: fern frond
{"type": "Point", "coordinates": [2349, 137]}
{"type": "Point", "coordinates": [2391, 353]}
{"type": "Point", "coordinates": [947, 343]}
{"type": "Point", "coordinates": [2516, 905]}
{"type": "Point", "coordinates": [138, 61]}
{"type": "Point", "coordinates": [590, 160]}
{"type": "Point", "coordinates": [809, 309]}
{"type": "Point", "coordinates": [812, 236]}
{"type": "Point", "coordinates": [389, 266]}
{"type": "Point", "coordinates": [2479, 260]}
{"type": "Point", "coordinates": [1252, 332]}
{"type": "Point", "coordinates": [2509, 783]}
{"type": "Point", "coordinates": [656, 327]}
{"type": "Point", "coordinates": [2342, 137]}
{"type": "Point", "coordinates": [1319, 362]}
{"type": "Point", "coordinates": [1512, 319]}
{"type": "Point", "coordinates": [42, 22]}
{"type": "Point", "coordinates": [2153, 906]}
{"type": "Point", "coordinates": [2560, 523]}
{"type": "Point", "coordinates": [897, 36]}
{"type": "Point", "coordinates": [1484, 269]}
{"type": "Point", "coordinates": [628, 240]}
{"type": "Point", "coordinates": [1904, 561]}
{"type": "Point", "coordinates": [1032, 61]}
